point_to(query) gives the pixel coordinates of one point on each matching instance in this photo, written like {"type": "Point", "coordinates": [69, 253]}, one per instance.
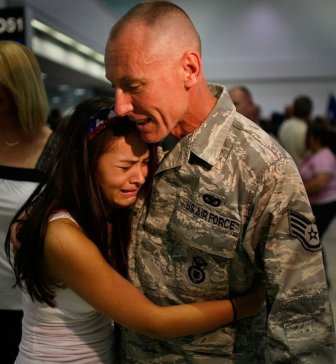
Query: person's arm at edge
{"type": "Point", "coordinates": [316, 184]}
{"type": "Point", "coordinates": [293, 295]}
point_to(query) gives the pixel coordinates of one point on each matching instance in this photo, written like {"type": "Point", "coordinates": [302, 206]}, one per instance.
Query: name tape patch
{"type": "Point", "coordinates": [200, 212]}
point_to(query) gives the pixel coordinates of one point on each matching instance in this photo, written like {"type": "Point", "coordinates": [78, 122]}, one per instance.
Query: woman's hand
{"type": "Point", "coordinates": [250, 303]}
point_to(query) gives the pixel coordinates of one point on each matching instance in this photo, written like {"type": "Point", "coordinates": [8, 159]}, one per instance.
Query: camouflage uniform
{"type": "Point", "coordinates": [228, 209]}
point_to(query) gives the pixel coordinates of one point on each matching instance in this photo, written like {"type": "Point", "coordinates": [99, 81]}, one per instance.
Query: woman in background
{"type": "Point", "coordinates": [318, 172]}
{"type": "Point", "coordinates": [26, 144]}
{"type": "Point", "coordinates": [73, 249]}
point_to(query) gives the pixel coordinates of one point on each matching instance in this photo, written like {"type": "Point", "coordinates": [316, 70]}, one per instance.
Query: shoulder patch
{"type": "Point", "coordinates": [305, 230]}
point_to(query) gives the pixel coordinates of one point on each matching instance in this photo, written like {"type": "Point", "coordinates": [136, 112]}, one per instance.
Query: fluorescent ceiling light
{"type": "Point", "coordinates": [68, 58]}
{"type": "Point", "coordinates": [62, 38]}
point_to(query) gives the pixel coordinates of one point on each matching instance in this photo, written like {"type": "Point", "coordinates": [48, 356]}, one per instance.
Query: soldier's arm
{"type": "Point", "coordinates": [300, 323]}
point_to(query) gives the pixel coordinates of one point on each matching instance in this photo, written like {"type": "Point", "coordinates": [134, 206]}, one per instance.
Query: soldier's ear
{"type": "Point", "coordinates": [191, 63]}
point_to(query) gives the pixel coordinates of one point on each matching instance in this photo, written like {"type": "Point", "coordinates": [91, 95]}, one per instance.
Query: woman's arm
{"type": "Point", "coordinates": [70, 257]}
{"type": "Point", "coordinates": [316, 184]}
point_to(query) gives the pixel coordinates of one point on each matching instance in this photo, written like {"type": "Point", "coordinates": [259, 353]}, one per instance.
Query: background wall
{"type": "Point", "coordinates": [278, 49]}
{"type": "Point", "coordinates": [87, 21]}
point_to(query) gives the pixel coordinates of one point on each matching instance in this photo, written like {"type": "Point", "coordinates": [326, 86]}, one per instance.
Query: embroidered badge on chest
{"type": "Point", "coordinates": [211, 200]}
{"type": "Point", "coordinates": [305, 230]}
{"type": "Point", "coordinates": [196, 272]}
{"type": "Point", "coordinates": [203, 213]}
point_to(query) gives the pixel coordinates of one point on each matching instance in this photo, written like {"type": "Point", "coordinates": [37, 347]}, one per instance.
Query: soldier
{"type": "Point", "coordinates": [227, 209]}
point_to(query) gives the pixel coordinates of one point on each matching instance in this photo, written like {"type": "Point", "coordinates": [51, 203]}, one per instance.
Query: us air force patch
{"type": "Point", "coordinates": [304, 230]}
{"type": "Point", "coordinates": [203, 213]}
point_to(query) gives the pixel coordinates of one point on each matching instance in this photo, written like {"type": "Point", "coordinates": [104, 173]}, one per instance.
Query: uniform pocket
{"type": "Point", "coordinates": [203, 241]}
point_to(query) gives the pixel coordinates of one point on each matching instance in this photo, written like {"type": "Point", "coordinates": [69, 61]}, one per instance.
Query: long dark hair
{"type": "Point", "coordinates": [70, 185]}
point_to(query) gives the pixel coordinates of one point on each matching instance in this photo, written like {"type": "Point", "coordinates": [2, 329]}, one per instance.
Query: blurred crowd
{"type": "Point", "coordinates": [310, 139]}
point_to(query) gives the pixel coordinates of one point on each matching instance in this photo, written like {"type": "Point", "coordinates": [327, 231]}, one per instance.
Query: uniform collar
{"type": "Point", "coordinates": [207, 141]}
{"type": "Point", "coordinates": [209, 138]}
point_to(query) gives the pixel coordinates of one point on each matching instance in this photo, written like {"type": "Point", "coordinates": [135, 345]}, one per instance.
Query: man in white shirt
{"type": "Point", "coordinates": [292, 132]}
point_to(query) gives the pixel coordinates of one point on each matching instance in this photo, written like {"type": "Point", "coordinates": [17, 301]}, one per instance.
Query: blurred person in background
{"type": "Point", "coordinates": [243, 101]}
{"type": "Point", "coordinates": [274, 122]}
{"type": "Point", "coordinates": [318, 171]}
{"type": "Point", "coordinates": [292, 132]}
{"type": "Point", "coordinates": [26, 144]}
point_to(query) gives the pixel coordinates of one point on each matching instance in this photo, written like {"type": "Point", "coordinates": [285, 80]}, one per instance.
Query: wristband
{"type": "Point", "coordinates": [233, 310]}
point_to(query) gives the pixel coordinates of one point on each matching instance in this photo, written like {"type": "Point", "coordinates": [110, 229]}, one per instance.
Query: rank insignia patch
{"type": "Point", "coordinates": [304, 230]}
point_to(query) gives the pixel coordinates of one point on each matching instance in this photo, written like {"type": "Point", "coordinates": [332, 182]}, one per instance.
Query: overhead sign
{"type": "Point", "coordinates": [12, 26]}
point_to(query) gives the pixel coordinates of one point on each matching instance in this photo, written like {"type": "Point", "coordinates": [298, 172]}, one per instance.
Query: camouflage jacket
{"type": "Point", "coordinates": [227, 209]}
